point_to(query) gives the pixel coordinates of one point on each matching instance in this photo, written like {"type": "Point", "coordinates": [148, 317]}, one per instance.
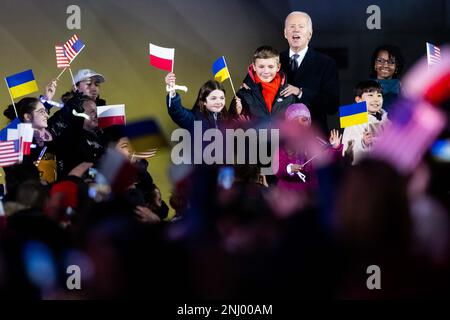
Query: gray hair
{"type": "Point", "coordinates": [301, 13]}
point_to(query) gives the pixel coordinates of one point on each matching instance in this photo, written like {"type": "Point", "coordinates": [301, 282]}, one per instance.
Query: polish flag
{"type": "Point", "coordinates": [111, 115]}
{"type": "Point", "coordinates": [162, 58]}
{"type": "Point", "coordinates": [26, 133]}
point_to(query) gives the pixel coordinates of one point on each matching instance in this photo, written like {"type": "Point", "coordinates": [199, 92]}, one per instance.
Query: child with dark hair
{"type": "Point", "coordinates": [361, 137]}
{"type": "Point", "coordinates": [209, 108]}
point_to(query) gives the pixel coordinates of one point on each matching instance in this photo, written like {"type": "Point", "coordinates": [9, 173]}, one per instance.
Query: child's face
{"type": "Point", "coordinates": [303, 121]}
{"type": "Point", "coordinates": [123, 146]}
{"type": "Point", "coordinates": [374, 101]}
{"type": "Point", "coordinates": [215, 101]}
{"type": "Point", "coordinates": [266, 69]}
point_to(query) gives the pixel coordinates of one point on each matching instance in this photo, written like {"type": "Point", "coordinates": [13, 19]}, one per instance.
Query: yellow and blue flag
{"type": "Point", "coordinates": [145, 134]}
{"type": "Point", "coordinates": [21, 84]}
{"type": "Point", "coordinates": [220, 70]}
{"type": "Point", "coordinates": [353, 114]}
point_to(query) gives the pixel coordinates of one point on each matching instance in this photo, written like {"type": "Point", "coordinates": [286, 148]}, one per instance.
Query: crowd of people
{"type": "Point", "coordinates": [311, 229]}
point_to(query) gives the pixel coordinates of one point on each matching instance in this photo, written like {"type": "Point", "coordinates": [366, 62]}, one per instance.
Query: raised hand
{"type": "Point", "coordinates": [238, 106]}
{"type": "Point", "coordinates": [367, 138]}
{"type": "Point", "coordinates": [335, 138]}
{"type": "Point", "coordinates": [170, 83]}
{"type": "Point", "coordinates": [50, 90]}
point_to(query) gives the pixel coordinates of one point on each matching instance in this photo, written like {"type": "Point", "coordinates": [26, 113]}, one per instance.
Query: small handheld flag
{"type": "Point", "coordinates": [162, 58]}
{"type": "Point", "coordinates": [61, 59]}
{"type": "Point", "coordinates": [433, 54]}
{"type": "Point", "coordinates": [73, 47]}
{"type": "Point", "coordinates": [21, 84]}
{"type": "Point", "coordinates": [145, 134]}
{"type": "Point", "coordinates": [10, 131]}
{"type": "Point", "coordinates": [353, 114]}
{"type": "Point", "coordinates": [221, 73]}
{"type": "Point", "coordinates": [111, 115]}
{"type": "Point", "coordinates": [220, 70]}
{"type": "Point", "coordinates": [9, 152]}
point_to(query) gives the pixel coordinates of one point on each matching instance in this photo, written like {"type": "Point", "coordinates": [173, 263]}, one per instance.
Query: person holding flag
{"type": "Point", "coordinates": [209, 108]}
{"type": "Point", "coordinates": [30, 111]}
{"type": "Point", "coordinates": [295, 170]}
{"type": "Point", "coordinates": [363, 121]}
{"type": "Point", "coordinates": [221, 73]}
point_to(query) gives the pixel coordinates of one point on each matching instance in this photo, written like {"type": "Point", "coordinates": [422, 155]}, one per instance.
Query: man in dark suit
{"type": "Point", "coordinates": [312, 76]}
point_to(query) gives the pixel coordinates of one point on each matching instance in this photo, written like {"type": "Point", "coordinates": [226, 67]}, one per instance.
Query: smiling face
{"type": "Point", "coordinates": [266, 69]}
{"type": "Point", "coordinates": [298, 31]}
{"type": "Point", "coordinates": [124, 147]}
{"type": "Point", "coordinates": [90, 109]}
{"type": "Point", "coordinates": [39, 117]}
{"type": "Point", "coordinates": [215, 101]}
{"type": "Point", "coordinates": [385, 65]}
{"type": "Point", "coordinates": [374, 101]}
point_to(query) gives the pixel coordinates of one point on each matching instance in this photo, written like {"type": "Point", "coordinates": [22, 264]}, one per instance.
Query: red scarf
{"type": "Point", "coordinates": [269, 89]}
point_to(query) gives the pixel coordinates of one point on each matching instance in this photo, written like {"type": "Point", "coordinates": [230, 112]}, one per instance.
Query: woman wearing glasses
{"type": "Point", "coordinates": [31, 110]}
{"type": "Point", "coordinates": [386, 68]}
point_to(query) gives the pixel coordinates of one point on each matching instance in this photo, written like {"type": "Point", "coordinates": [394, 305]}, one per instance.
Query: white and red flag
{"type": "Point", "coordinates": [162, 58]}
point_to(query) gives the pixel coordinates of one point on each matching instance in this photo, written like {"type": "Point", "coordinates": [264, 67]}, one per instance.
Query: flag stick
{"type": "Point", "coordinates": [312, 158]}
{"type": "Point", "coordinates": [57, 78]}
{"type": "Point", "coordinates": [41, 155]}
{"type": "Point", "coordinates": [14, 105]}
{"type": "Point", "coordinates": [71, 74]}
{"type": "Point", "coordinates": [231, 81]}
{"type": "Point", "coordinates": [173, 64]}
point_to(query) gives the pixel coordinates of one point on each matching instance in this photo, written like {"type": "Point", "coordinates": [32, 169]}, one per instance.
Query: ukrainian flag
{"type": "Point", "coordinates": [21, 84]}
{"type": "Point", "coordinates": [220, 70]}
{"type": "Point", "coordinates": [145, 134]}
{"type": "Point", "coordinates": [353, 114]}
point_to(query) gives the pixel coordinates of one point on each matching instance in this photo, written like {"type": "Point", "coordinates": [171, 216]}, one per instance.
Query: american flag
{"type": "Point", "coordinates": [73, 47]}
{"type": "Point", "coordinates": [9, 152]}
{"type": "Point", "coordinates": [414, 127]}
{"type": "Point", "coordinates": [61, 60]}
{"type": "Point", "coordinates": [433, 54]}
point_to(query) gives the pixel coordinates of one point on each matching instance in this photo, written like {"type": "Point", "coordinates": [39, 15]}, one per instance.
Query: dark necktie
{"type": "Point", "coordinates": [379, 116]}
{"type": "Point", "coordinates": [294, 63]}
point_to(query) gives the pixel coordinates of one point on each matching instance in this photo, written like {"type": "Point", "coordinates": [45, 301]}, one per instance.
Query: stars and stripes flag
{"type": "Point", "coordinates": [414, 127]}
{"type": "Point", "coordinates": [433, 54]}
{"type": "Point", "coordinates": [9, 152]}
{"type": "Point", "coordinates": [61, 60]}
{"type": "Point", "coordinates": [73, 47]}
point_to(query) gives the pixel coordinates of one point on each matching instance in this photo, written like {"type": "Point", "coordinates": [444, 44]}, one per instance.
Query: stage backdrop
{"type": "Point", "coordinates": [117, 35]}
